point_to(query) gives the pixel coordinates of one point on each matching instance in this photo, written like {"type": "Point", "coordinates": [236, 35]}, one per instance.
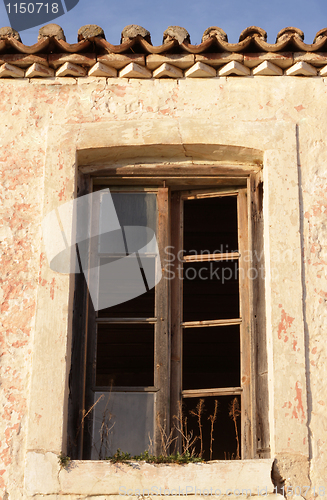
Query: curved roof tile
{"type": "Point", "coordinates": [177, 57]}
{"type": "Point", "coordinates": [252, 39]}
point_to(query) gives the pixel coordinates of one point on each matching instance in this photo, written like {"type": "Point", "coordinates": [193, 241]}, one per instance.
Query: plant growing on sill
{"type": "Point", "coordinates": [63, 460]}
{"type": "Point", "coordinates": [121, 456]}
{"type": "Point", "coordinates": [234, 413]}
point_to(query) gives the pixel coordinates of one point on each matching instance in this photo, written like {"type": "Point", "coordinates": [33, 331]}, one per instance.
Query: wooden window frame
{"type": "Point", "coordinates": [254, 419]}
{"type": "Point", "coordinates": [245, 389]}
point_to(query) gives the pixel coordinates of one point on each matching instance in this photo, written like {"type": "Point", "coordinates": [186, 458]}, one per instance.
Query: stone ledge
{"type": "Point", "coordinates": [217, 478]}
{"type": "Point", "coordinates": [105, 478]}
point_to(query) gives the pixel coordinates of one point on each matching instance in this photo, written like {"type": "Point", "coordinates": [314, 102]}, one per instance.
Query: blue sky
{"type": "Point", "coordinates": [232, 16]}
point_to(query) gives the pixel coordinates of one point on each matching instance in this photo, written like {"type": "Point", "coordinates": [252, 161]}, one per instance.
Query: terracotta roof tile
{"type": "Point", "coordinates": [39, 70]}
{"type": "Point", "coordinates": [267, 68]}
{"type": "Point", "coordinates": [133, 31]}
{"type": "Point", "coordinates": [234, 68]}
{"type": "Point", "coordinates": [182, 61]}
{"type": "Point", "coordinates": [56, 60]}
{"type": "Point", "coordinates": [167, 70]}
{"type": "Point", "coordinates": [94, 55]}
{"type": "Point", "coordinates": [10, 70]}
{"type": "Point", "coordinates": [70, 69]}
{"type": "Point", "coordinates": [7, 32]}
{"type": "Point", "coordinates": [214, 31]}
{"type": "Point", "coordinates": [119, 61]}
{"type": "Point", "coordinates": [200, 70]}
{"type": "Point", "coordinates": [51, 31]}
{"type": "Point", "coordinates": [253, 31]}
{"type": "Point", "coordinates": [100, 69]}
{"type": "Point", "coordinates": [89, 31]}
{"type": "Point", "coordinates": [301, 69]}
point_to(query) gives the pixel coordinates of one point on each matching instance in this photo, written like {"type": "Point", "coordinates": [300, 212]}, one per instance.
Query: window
{"type": "Point", "coordinates": [192, 339]}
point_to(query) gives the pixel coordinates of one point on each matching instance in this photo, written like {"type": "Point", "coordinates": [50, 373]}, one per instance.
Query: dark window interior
{"type": "Point", "coordinates": [210, 291]}
{"type": "Point", "coordinates": [210, 224]}
{"type": "Point", "coordinates": [139, 307]}
{"type": "Point", "coordinates": [125, 355]}
{"type": "Point", "coordinates": [211, 357]}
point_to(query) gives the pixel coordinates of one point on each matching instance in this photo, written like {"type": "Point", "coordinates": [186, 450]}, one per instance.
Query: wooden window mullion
{"type": "Point", "coordinates": [176, 313]}
{"type": "Point", "coordinates": [162, 336]}
{"type": "Point", "coordinates": [259, 351]}
{"type": "Point", "coordinates": [246, 340]}
{"type": "Point", "coordinates": [91, 336]}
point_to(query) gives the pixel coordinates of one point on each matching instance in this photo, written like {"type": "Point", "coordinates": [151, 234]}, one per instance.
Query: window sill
{"type": "Point", "coordinates": [44, 476]}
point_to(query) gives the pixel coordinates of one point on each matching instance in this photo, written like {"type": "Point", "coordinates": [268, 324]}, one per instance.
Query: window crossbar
{"type": "Point", "coordinates": [126, 320]}
{"type": "Point", "coordinates": [211, 257]}
{"type": "Point", "coordinates": [215, 322]}
{"type": "Point", "coordinates": [223, 391]}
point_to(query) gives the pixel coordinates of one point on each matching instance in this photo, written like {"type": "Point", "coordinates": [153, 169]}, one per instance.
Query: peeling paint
{"type": "Point", "coordinates": [298, 412]}
{"type": "Point", "coordinates": [285, 323]}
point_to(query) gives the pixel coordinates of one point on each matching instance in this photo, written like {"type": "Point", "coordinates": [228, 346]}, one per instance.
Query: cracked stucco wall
{"type": "Point", "coordinates": [43, 123]}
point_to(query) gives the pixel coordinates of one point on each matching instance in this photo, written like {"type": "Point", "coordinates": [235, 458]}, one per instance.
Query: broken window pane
{"type": "Point", "coordinates": [210, 291]}
{"type": "Point", "coordinates": [210, 225]}
{"type": "Point", "coordinates": [211, 357]}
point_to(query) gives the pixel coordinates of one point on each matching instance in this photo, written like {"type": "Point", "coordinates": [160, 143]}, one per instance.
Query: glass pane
{"type": "Point", "coordinates": [124, 421]}
{"type": "Point", "coordinates": [124, 283]}
{"type": "Point", "coordinates": [115, 282]}
{"type": "Point", "coordinates": [125, 355]}
{"type": "Point", "coordinates": [129, 282]}
{"type": "Point", "coordinates": [210, 225]}
{"type": "Point", "coordinates": [132, 209]}
{"type": "Point", "coordinates": [211, 357]}
{"type": "Point", "coordinates": [210, 291]}
{"type": "Point", "coordinates": [136, 209]}
{"type": "Point", "coordinates": [225, 440]}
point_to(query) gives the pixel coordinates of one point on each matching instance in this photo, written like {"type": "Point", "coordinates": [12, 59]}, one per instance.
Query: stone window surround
{"type": "Point", "coordinates": [47, 417]}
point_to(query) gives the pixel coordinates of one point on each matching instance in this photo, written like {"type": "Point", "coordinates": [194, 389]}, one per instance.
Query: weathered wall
{"type": "Point", "coordinates": [43, 124]}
